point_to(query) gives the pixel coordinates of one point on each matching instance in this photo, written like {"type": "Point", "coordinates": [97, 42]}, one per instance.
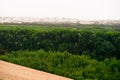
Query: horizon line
{"type": "Point", "coordinates": [60, 18]}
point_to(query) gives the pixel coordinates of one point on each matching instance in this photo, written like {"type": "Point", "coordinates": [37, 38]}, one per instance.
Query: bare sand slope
{"type": "Point", "coordinates": [9, 71]}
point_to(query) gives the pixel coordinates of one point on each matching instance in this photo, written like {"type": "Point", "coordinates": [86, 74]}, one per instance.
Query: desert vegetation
{"type": "Point", "coordinates": [81, 52]}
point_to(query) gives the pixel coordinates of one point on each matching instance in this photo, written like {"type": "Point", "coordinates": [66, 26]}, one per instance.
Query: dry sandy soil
{"type": "Point", "coordinates": [9, 71]}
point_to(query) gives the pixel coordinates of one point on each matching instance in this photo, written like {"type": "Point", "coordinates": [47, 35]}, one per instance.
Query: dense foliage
{"type": "Point", "coordinates": [65, 64]}
{"type": "Point", "coordinates": [99, 43]}
{"type": "Point", "coordinates": [51, 48]}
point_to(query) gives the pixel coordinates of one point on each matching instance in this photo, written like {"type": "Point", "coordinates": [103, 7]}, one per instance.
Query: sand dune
{"type": "Point", "coordinates": [9, 71]}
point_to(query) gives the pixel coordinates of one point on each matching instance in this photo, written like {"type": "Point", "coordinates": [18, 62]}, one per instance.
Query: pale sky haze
{"type": "Point", "coordinates": [79, 9]}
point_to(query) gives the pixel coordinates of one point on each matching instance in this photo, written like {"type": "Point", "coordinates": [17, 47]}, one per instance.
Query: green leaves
{"type": "Point", "coordinates": [99, 43]}
{"type": "Point", "coordinates": [68, 65]}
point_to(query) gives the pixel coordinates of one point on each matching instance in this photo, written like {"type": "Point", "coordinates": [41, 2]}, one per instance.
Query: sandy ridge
{"type": "Point", "coordinates": [9, 71]}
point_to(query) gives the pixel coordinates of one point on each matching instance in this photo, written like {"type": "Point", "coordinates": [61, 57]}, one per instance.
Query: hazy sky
{"type": "Point", "coordinates": [80, 9]}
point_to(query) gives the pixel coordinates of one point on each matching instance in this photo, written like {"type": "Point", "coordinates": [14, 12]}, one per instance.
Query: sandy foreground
{"type": "Point", "coordinates": [9, 71]}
